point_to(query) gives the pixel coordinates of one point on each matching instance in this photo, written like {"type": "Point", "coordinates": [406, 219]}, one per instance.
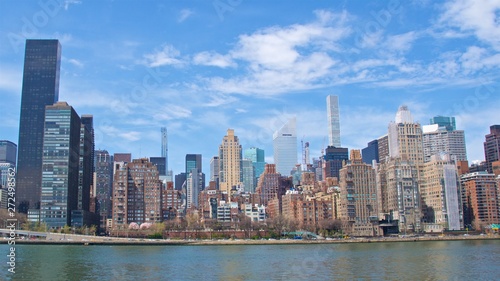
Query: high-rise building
{"type": "Point", "coordinates": [160, 164]}
{"type": "Point", "coordinates": [60, 165]}
{"type": "Point", "coordinates": [405, 137]}
{"type": "Point", "coordinates": [86, 162]}
{"type": "Point", "coordinates": [333, 159]}
{"type": "Point", "coordinates": [383, 148]}
{"type": "Point", "coordinates": [257, 156]}
{"type": "Point", "coordinates": [164, 148]}
{"type": "Point", "coordinates": [398, 193]}
{"type": "Point", "coordinates": [180, 179]}
{"type": "Point", "coordinates": [8, 152]}
{"type": "Point", "coordinates": [440, 194]}
{"type": "Point", "coordinates": [229, 162]}
{"type": "Point", "coordinates": [358, 197]}
{"type": "Point", "coordinates": [440, 140]}
{"type": "Point", "coordinates": [268, 187]}
{"type": "Point", "coordinates": [136, 194]}
{"type": "Point", "coordinates": [214, 171]}
{"type": "Point", "coordinates": [492, 147]}
{"type": "Point", "coordinates": [40, 88]}
{"type": "Point", "coordinates": [195, 179]}
{"type": "Point", "coordinates": [248, 175]}
{"type": "Point", "coordinates": [332, 107]}
{"type": "Point", "coordinates": [448, 123]}
{"type": "Point", "coordinates": [103, 185]}
{"type": "Point", "coordinates": [479, 199]}
{"type": "Point", "coordinates": [285, 147]}
{"type": "Point", "coordinates": [370, 152]}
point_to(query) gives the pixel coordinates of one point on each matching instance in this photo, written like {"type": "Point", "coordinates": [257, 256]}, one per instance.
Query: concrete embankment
{"type": "Point", "coordinates": [71, 239]}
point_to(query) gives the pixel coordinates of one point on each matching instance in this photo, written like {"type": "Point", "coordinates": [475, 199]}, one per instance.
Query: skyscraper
{"type": "Point", "coordinates": [370, 152]}
{"type": "Point", "coordinates": [104, 184]}
{"type": "Point", "coordinates": [285, 147]}
{"type": "Point", "coordinates": [405, 137]}
{"type": "Point", "coordinates": [164, 147]}
{"type": "Point", "coordinates": [60, 164]}
{"type": "Point", "coordinates": [358, 197]}
{"type": "Point", "coordinates": [442, 121]}
{"type": "Point", "coordinates": [160, 164]}
{"type": "Point", "coordinates": [492, 147]}
{"type": "Point", "coordinates": [229, 162]}
{"type": "Point", "coordinates": [214, 170]}
{"type": "Point", "coordinates": [8, 152]}
{"type": "Point", "coordinates": [438, 140]}
{"type": "Point", "coordinates": [332, 108]}
{"type": "Point", "coordinates": [40, 88]}
{"type": "Point", "coordinates": [195, 179]}
{"type": "Point", "coordinates": [257, 156]}
{"type": "Point", "coordinates": [86, 163]}
{"type": "Point", "coordinates": [333, 160]}
{"type": "Point", "coordinates": [248, 175]}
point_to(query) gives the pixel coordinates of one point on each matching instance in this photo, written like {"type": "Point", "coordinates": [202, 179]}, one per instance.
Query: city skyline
{"type": "Point", "coordinates": [343, 57]}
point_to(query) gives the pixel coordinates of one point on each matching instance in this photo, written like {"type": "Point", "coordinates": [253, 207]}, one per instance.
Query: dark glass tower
{"type": "Point", "coordinates": [42, 62]}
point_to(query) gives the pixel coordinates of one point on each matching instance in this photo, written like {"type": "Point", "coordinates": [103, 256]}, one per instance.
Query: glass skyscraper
{"type": "Point", "coordinates": [40, 88]}
{"type": "Point", "coordinates": [60, 164]}
{"type": "Point", "coordinates": [285, 147]}
{"type": "Point", "coordinates": [256, 155]}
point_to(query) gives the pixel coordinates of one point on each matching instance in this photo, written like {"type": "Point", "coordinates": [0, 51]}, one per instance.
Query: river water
{"type": "Point", "coordinates": [437, 260]}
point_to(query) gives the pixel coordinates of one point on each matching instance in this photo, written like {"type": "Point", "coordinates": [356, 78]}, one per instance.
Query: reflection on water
{"type": "Point", "coordinates": [444, 260]}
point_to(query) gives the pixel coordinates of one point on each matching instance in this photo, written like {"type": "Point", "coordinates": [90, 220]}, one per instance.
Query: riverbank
{"type": "Point", "coordinates": [95, 240]}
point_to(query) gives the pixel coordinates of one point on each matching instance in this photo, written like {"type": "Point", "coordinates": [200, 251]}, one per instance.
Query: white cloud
{"type": "Point", "coordinates": [168, 55]}
{"type": "Point", "coordinates": [67, 3]}
{"type": "Point", "coordinates": [213, 59]}
{"type": "Point", "coordinates": [76, 62]}
{"type": "Point", "coordinates": [170, 112]}
{"type": "Point", "coordinates": [184, 14]}
{"type": "Point", "coordinates": [475, 17]}
{"type": "Point", "coordinates": [401, 42]}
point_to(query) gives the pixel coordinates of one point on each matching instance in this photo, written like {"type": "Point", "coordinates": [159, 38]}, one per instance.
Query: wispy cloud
{"type": "Point", "coordinates": [213, 59]}
{"type": "Point", "coordinates": [184, 14]}
{"type": "Point", "coordinates": [76, 62]}
{"type": "Point", "coordinates": [67, 3]}
{"type": "Point", "coordinates": [167, 55]}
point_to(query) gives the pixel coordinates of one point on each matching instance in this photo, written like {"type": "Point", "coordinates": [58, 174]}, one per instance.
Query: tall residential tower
{"type": "Point", "coordinates": [332, 107]}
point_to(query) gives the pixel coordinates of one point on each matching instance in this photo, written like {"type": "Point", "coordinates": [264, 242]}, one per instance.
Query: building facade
{"type": "Point", "coordinates": [440, 194]}
{"type": "Point", "coordinates": [358, 197]}
{"type": "Point", "coordinates": [40, 88]}
{"type": "Point", "coordinates": [285, 147]}
{"type": "Point", "coordinates": [492, 147]}
{"type": "Point", "coordinates": [439, 141]}
{"type": "Point", "coordinates": [103, 185]}
{"type": "Point", "coordinates": [8, 152]}
{"type": "Point", "coordinates": [479, 199]}
{"type": "Point", "coordinates": [137, 194]}
{"type": "Point", "coordinates": [229, 162]}
{"type": "Point", "coordinates": [60, 165]}
{"type": "Point", "coordinates": [333, 114]}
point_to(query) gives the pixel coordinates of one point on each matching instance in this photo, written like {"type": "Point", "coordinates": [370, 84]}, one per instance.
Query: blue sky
{"type": "Point", "coordinates": [201, 67]}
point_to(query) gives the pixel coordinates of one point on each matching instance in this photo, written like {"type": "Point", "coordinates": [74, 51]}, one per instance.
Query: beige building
{"type": "Point", "coordinates": [397, 189]}
{"type": "Point", "coordinates": [136, 194]}
{"type": "Point", "coordinates": [358, 197]}
{"type": "Point", "coordinates": [440, 195]}
{"type": "Point", "coordinates": [229, 162]}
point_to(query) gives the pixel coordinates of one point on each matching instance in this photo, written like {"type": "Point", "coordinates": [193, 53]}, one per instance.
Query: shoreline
{"type": "Point", "coordinates": [95, 241]}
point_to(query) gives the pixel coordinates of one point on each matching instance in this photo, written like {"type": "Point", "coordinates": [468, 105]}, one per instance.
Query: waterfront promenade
{"type": "Point", "coordinates": [74, 239]}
